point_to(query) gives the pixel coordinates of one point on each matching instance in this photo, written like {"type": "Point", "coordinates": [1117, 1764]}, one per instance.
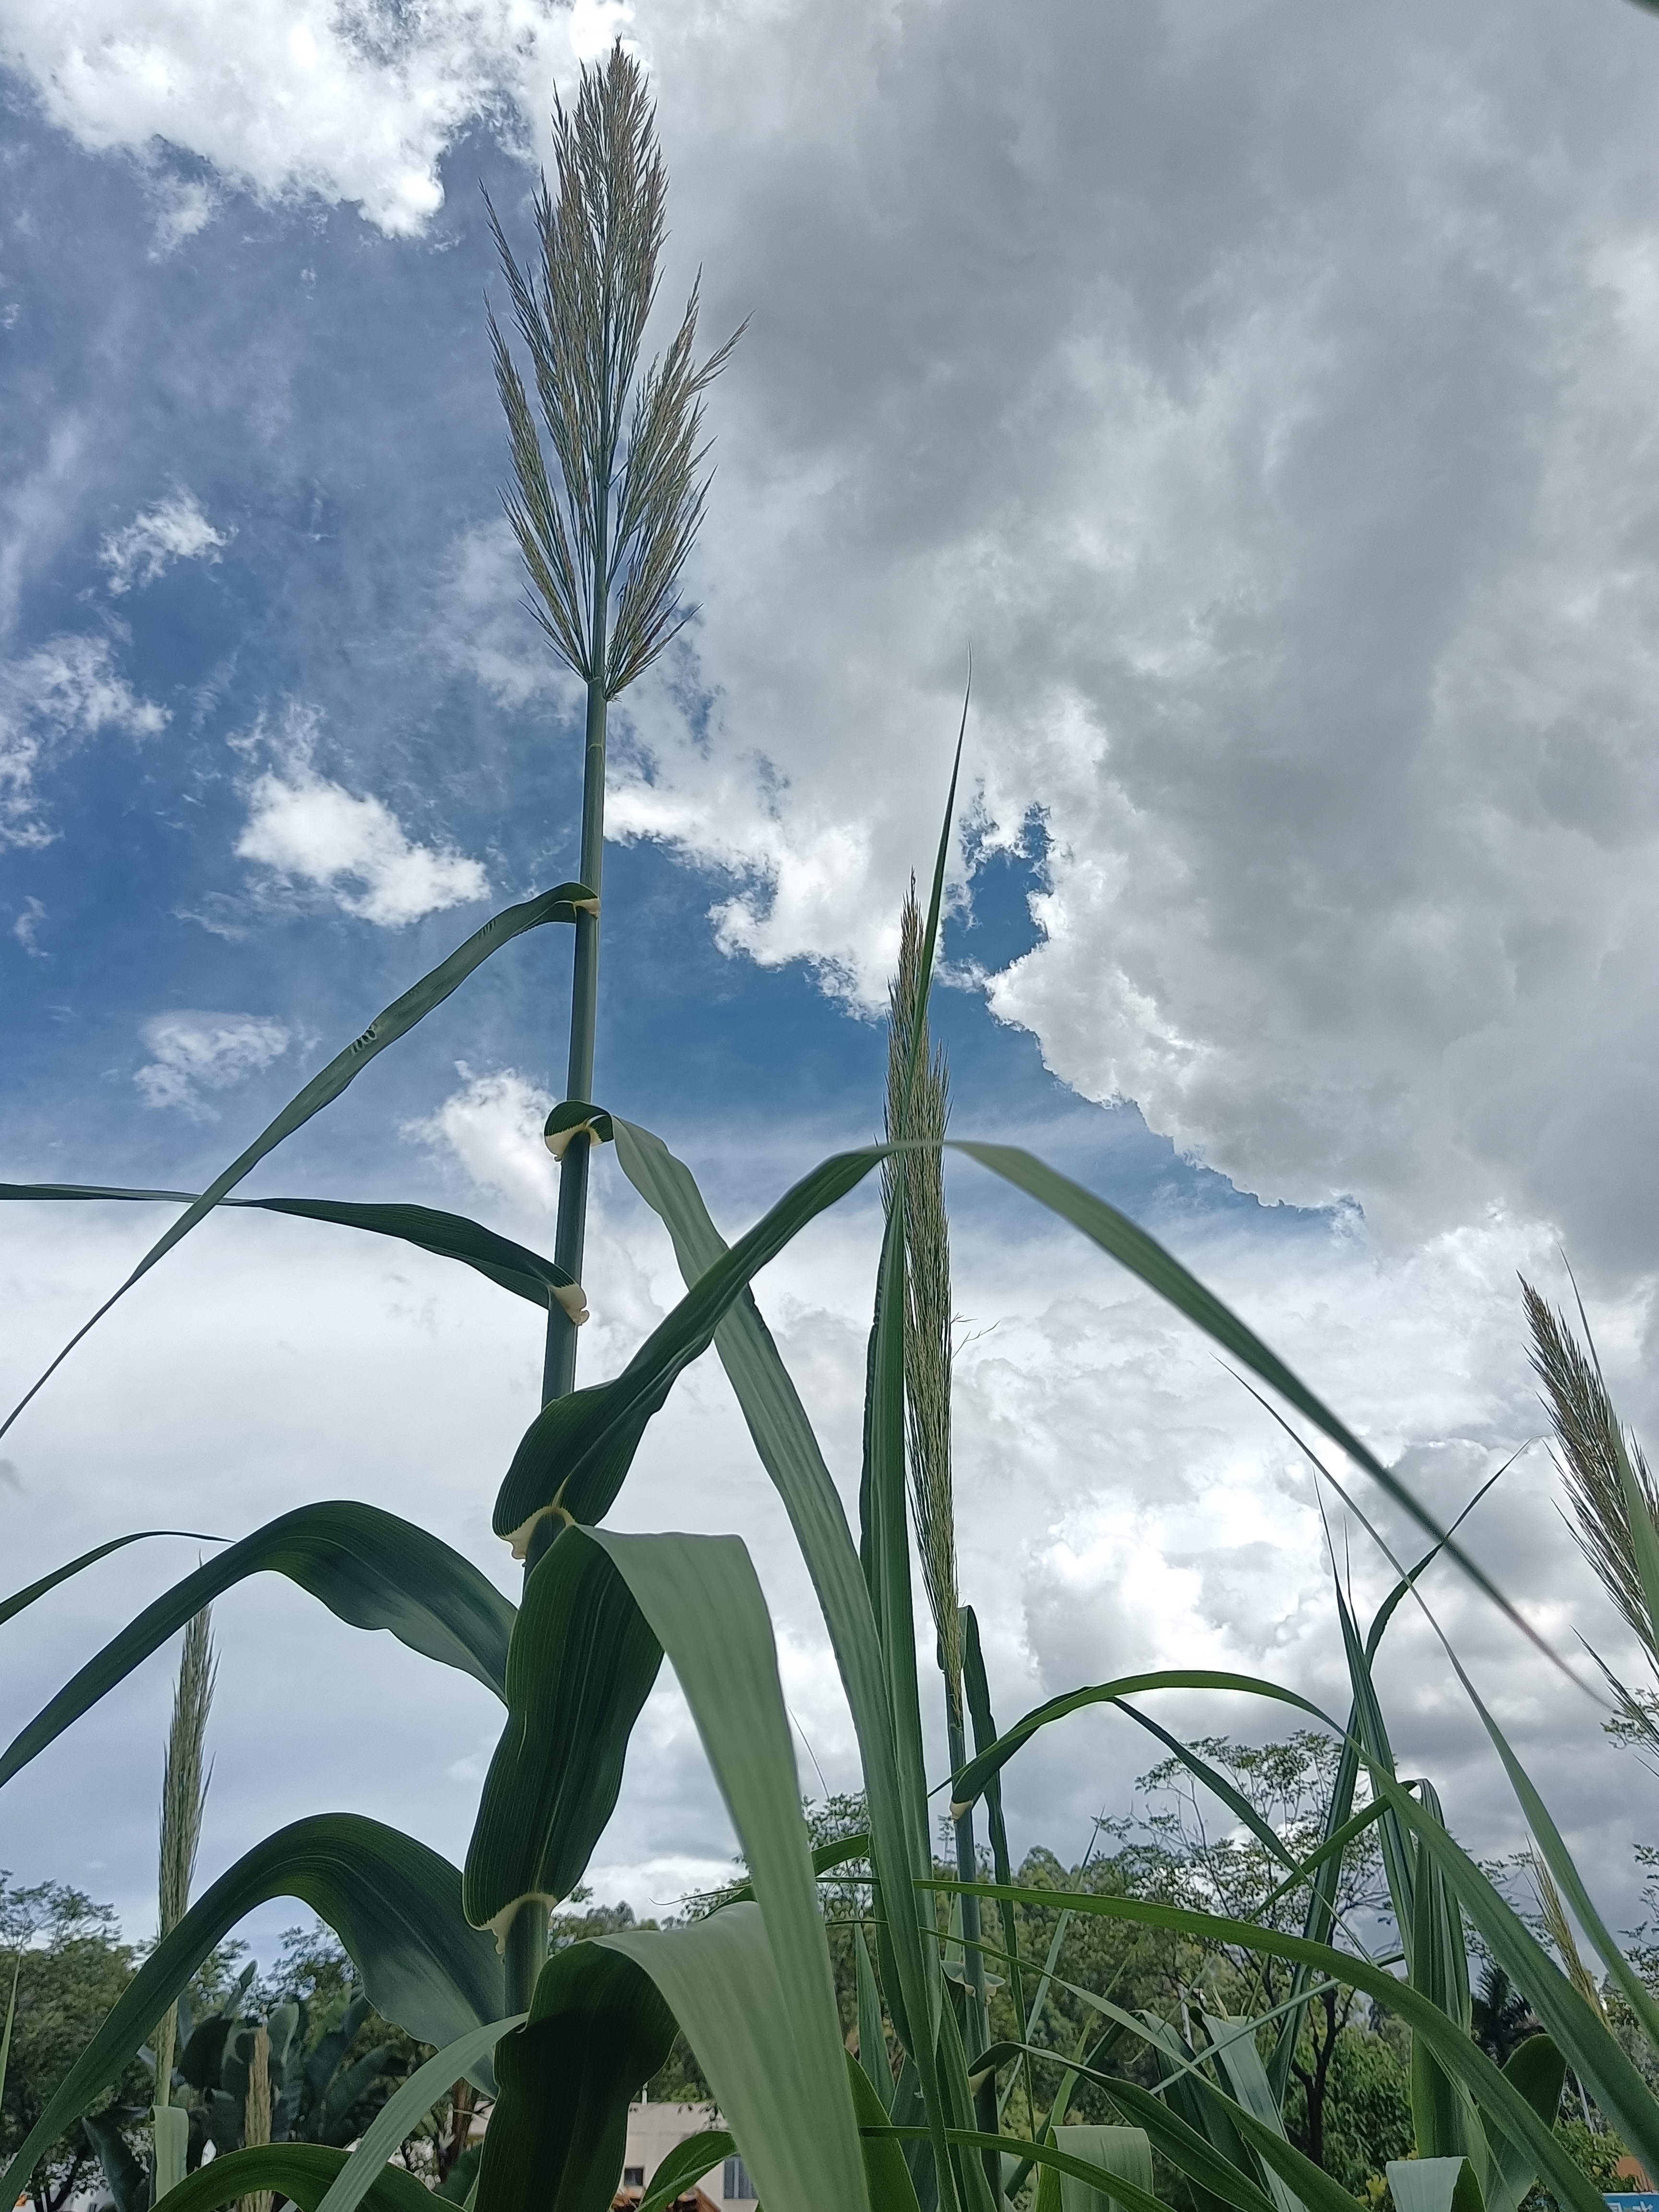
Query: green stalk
{"type": "Point", "coordinates": [604, 524]}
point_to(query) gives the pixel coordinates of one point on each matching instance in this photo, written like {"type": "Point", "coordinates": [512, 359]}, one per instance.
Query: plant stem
{"type": "Point", "coordinates": [559, 1370]}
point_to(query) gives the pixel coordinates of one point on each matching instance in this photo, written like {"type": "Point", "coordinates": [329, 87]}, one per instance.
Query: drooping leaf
{"type": "Point", "coordinates": [514, 1267]}
{"type": "Point", "coordinates": [970, 1784]}
{"type": "Point", "coordinates": [301, 2172]}
{"type": "Point", "coordinates": [580, 1665]}
{"type": "Point", "coordinates": [367, 1566]}
{"type": "Point", "coordinates": [394, 1022]}
{"type": "Point", "coordinates": [394, 1905]}
{"type": "Point", "coordinates": [597, 2030]}
{"type": "Point", "coordinates": [19, 1600]}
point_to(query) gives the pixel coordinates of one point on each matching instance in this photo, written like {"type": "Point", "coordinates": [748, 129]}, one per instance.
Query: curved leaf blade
{"type": "Point", "coordinates": [514, 1267]}
{"type": "Point", "coordinates": [395, 1905]}
{"type": "Point", "coordinates": [19, 1600]}
{"type": "Point", "coordinates": [370, 1568]}
{"type": "Point", "coordinates": [393, 1022]}
{"type": "Point", "coordinates": [302, 2171]}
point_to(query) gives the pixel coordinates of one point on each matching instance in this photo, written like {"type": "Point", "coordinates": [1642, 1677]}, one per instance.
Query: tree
{"type": "Point", "coordinates": [72, 1966]}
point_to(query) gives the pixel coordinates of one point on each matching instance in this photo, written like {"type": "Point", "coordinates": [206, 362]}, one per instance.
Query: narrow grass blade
{"type": "Point", "coordinates": [1462, 2056]}
{"type": "Point", "coordinates": [596, 2030]}
{"type": "Point", "coordinates": [394, 1022]}
{"type": "Point", "coordinates": [1119, 2187]}
{"type": "Point", "coordinates": [1184, 2147]}
{"type": "Point", "coordinates": [970, 1783]}
{"type": "Point", "coordinates": [873, 2036]}
{"type": "Point", "coordinates": [302, 2171]}
{"type": "Point", "coordinates": [394, 1905]}
{"type": "Point", "coordinates": [886, 2176]}
{"type": "Point", "coordinates": [405, 2109]}
{"type": "Point", "coordinates": [515, 1267]}
{"type": "Point", "coordinates": [11, 2014]}
{"type": "Point", "coordinates": [369, 1568]}
{"type": "Point", "coordinates": [580, 1665]}
{"type": "Point", "coordinates": [1233, 2042]}
{"type": "Point", "coordinates": [21, 1599]}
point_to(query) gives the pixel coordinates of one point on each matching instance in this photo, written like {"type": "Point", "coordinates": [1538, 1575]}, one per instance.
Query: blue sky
{"type": "Point", "coordinates": [1294, 491]}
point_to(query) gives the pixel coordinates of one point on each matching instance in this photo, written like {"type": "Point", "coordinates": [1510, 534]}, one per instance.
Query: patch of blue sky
{"type": "Point", "coordinates": [323, 394]}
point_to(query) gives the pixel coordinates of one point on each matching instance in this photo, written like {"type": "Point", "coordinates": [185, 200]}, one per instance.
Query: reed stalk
{"type": "Point", "coordinates": [917, 1115]}
{"type": "Point", "coordinates": [184, 1793]}
{"type": "Point", "coordinates": [608, 494]}
{"type": "Point", "coordinates": [255, 2112]}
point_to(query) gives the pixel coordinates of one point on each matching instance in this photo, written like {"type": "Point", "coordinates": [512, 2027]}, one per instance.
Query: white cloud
{"type": "Point", "coordinates": [492, 1128]}
{"type": "Point", "coordinates": [50, 700]}
{"type": "Point", "coordinates": [26, 927]}
{"type": "Point", "coordinates": [177, 530]}
{"type": "Point", "coordinates": [191, 1053]}
{"type": "Point", "coordinates": [301, 825]}
{"type": "Point", "coordinates": [357, 103]}
{"type": "Point", "coordinates": [1266, 403]}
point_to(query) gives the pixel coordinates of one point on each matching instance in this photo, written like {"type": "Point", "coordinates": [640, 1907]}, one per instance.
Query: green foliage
{"type": "Point", "coordinates": [73, 1966]}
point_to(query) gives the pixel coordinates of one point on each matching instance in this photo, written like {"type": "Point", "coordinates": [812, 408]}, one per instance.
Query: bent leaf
{"type": "Point", "coordinates": [369, 1568]}
{"type": "Point", "coordinates": [394, 1905]}
{"type": "Point", "coordinates": [685, 2167]}
{"type": "Point", "coordinates": [395, 1021]}
{"type": "Point", "coordinates": [21, 1599]}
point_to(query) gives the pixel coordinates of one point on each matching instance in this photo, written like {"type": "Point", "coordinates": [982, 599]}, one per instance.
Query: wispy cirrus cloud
{"type": "Point", "coordinates": [191, 1053]}
{"type": "Point", "coordinates": [176, 530]}
{"type": "Point", "coordinates": [65, 691]}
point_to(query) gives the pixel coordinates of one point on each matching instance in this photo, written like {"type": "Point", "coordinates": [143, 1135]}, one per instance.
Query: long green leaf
{"type": "Point", "coordinates": [371, 1568]}
{"type": "Point", "coordinates": [700, 1599]}
{"type": "Point", "coordinates": [394, 1905]}
{"type": "Point", "coordinates": [402, 2112]}
{"type": "Point", "coordinates": [1233, 2042]}
{"type": "Point", "coordinates": [1435, 2185]}
{"type": "Point", "coordinates": [302, 2171]}
{"type": "Point", "coordinates": [1118, 2186]}
{"type": "Point", "coordinates": [886, 2176]}
{"type": "Point", "coordinates": [1126, 2152]}
{"type": "Point", "coordinates": [394, 1022]}
{"type": "Point", "coordinates": [515, 1267]}
{"type": "Point", "coordinates": [1182, 2145]}
{"type": "Point", "coordinates": [873, 2036]}
{"type": "Point", "coordinates": [597, 2030]}
{"type": "Point", "coordinates": [1461, 2055]}
{"type": "Point", "coordinates": [789, 1452]}
{"type": "Point", "coordinates": [580, 1665]}
{"type": "Point", "coordinates": [720, 1978]}
{"type": "Point", "coordinates": [1538, 2072]}
{"type": "Point", "coordinates": [19, 1600]}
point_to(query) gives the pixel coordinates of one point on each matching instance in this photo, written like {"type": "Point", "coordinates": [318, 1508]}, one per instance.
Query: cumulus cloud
{"type": "Point", "coordinates": [303, 827]}
{"type": "Point", "coordinates": [357, 103]}
{"type": "Point", "coordinates": [177, 530]}
{"type": "Point", "coordinates": [51, 699]}
{"type": "Point", "coordinates": [191, 1053]}
{"type": "Point", "coordinates": [1266, 397]}
{"type": "Point", "coordinates": [27, 928]}
{"type": "Point", "coordinates": [492, 1129]}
